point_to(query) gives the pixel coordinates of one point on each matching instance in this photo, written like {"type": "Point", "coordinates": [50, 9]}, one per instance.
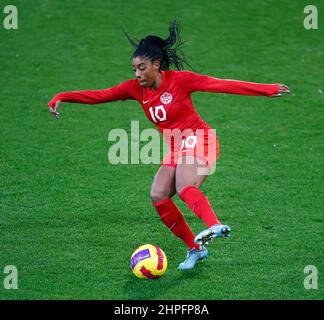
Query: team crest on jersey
{"type": "Point", "coordinates": [166, 98]}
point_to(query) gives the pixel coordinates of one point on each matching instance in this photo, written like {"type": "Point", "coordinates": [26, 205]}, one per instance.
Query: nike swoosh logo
{"type": "Point", "coordinates": [144, 102]}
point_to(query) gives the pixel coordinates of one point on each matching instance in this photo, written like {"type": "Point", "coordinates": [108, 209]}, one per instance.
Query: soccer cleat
{"type": "Point", "coordinates": [215, 231]}
{"type": "Point", "coordinates": [193, 257]}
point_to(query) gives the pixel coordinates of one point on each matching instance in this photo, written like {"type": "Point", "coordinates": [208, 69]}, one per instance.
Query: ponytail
{"type": "Point", "coordinates": [167, 51]}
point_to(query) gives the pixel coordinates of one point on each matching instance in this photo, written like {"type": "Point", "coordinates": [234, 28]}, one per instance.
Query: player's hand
{"type": "Point", "coordinates": [56, 110]}
{"type": "Point", "coordinates": [283, 89]}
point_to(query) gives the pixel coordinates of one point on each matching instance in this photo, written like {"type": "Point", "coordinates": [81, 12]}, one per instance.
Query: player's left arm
{"type": "Point", "coordinates": [198, 82]}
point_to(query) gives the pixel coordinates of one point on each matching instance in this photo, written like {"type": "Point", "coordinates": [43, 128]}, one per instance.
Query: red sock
{"type": "Point", "coordinates": [199, 204]}
{"type": "Point", "coordinates": [175, 221]}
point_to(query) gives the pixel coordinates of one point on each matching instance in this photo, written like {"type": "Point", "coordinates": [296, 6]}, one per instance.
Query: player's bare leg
{"type": "Point", "coordinates": [189, 177]}
{"type": "Point", "coordinates": [190, 172]}
{"type": "Point", "coordinates": [163, 188]}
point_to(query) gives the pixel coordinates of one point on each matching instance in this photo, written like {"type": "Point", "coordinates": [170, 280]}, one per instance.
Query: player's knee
{"type": "Point", "coordinates": [158, 195]}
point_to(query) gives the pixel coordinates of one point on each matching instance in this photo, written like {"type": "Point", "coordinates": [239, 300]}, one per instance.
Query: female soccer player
{"type": "Point", "coordinates": [165, 97]}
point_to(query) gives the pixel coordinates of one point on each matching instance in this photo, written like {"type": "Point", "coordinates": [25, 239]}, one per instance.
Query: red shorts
{"type": "Point", "coordinates": [202, 144]}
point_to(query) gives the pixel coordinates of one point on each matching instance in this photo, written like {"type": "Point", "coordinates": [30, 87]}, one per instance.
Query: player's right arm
{"type": "Point", "coordinates": [125, 90]}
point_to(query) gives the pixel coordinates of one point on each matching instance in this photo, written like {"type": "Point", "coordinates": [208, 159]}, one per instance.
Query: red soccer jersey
{"type": "Point", "coordinates": [170, 106]}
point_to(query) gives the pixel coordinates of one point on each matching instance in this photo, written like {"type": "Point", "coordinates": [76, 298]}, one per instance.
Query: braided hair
{"type": "Point", "coordinates": [167, 51]}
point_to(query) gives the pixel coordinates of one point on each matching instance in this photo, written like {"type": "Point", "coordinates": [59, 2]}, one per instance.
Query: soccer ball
{"type": "Point", "coordinates": [149, 262]}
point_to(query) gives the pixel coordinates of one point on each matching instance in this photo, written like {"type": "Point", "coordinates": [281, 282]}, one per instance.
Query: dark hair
{"type": "Point", "coordinates": [167, 51]}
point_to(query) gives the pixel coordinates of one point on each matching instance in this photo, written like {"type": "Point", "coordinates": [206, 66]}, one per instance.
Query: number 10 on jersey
{"type": "Point", "coordinates": [158, 113]}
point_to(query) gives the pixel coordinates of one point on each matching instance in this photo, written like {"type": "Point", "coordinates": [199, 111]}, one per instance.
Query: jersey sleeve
{"type": "Point", "coordinates": [198, 82]}
{"type": "Point", "coordinates": [124, 91]}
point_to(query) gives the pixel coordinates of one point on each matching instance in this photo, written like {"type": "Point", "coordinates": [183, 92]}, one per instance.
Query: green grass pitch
{"type": "Point", "coordinates": [69, 220]}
